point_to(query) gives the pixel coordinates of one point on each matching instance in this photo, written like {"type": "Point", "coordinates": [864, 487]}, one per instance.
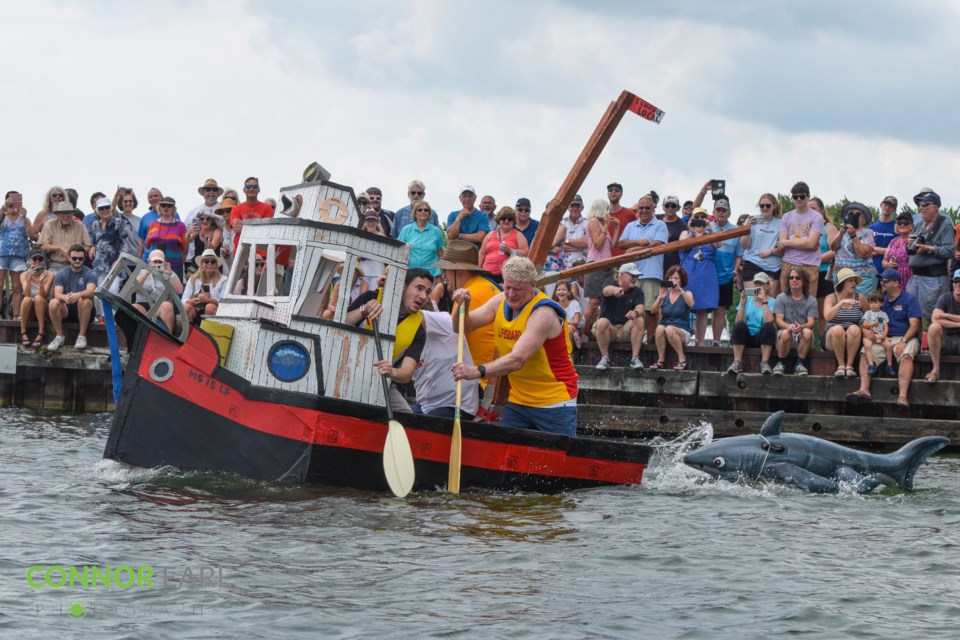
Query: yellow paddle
{"type": "Point", "coordinates": [453, 477]}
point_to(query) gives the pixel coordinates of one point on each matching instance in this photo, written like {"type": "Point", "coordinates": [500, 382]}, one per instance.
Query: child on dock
{"type": "Point", "coordinates": [875, 325]}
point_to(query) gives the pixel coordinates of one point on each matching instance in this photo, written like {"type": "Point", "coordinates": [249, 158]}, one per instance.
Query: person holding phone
{"type": "Point", "coordinates": [14, 247]}
{"type": "Point", "coordinates": [755, 325]}
{"type": "Point", "coordinates": [201, 295]}
{"type": "Point", "coordinates": [673, 306]}
{"type": "Point", "coordinates": [37, 283]}
{"type": "Point", "coordinates": [152, 280]}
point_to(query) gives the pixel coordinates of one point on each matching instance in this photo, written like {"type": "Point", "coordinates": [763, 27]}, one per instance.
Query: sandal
{"type": "Point", "coordinates": [841, 372]}
{"type": "Point", "coordinates": [932, 377]}
{"type": "Point", "coordinates": [38, 341]}
{"type": "Point", "coordinates": [851, 373]}
{"type": "Point", "coordinates": [25, 339]}
{"type": "Point", "coordinates": [657, 365]}
{"type": "Point", "coordinates": [680, 366]}
{"type": "Point", "coordinates": [902, 403]}
{"type": "Point", "coordinates": [859, 396]}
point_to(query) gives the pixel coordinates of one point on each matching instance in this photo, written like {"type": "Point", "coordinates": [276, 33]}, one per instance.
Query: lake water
{"type": "Point", "coordinates": [679, 557]}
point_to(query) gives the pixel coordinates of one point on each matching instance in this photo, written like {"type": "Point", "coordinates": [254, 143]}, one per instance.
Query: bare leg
{"type": "Point", "coordinates": [58, 311]}
{"type": "Point", "coordinates": [636, 336]}
{"type": "Point", "coordinates": [84, 313]}
{"type": "Point", "coordinates": [590, 315]}
{"type": "Point", "coordinates": [719, 322]}
{"type": "Point", "coordinates": [903, 377]}
{"type": "Point", "coordinates": [835, 339]}
{"type": "Point", "coordinates": [853, 343]}
{"type": "Point", "coordinates": [868, 349]}
{"type": "Point", "coordinates": [17, 295]}
{"type": "Point", "coordinates": [675, 336]}
{"type": "Point", "coordinates": [661, 339]}
{"type": "Point", "coordinates": [701, 326]}
{"type": "Point", "coordinates": [935, 342]}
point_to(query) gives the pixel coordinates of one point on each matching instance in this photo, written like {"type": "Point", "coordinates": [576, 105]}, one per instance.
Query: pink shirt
{"type": "Point", "coordinates": [802, 225]}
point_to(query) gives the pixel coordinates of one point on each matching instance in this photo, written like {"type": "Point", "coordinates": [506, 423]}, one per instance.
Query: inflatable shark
{"type": "Point", "coordinates": [814, 464]}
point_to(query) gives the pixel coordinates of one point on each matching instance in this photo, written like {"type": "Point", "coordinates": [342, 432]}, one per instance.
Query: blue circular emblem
{"type": "Point", "coordinates": [288, 361]}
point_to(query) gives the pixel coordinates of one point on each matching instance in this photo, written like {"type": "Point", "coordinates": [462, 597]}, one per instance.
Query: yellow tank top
{"type": "Point", "coordinates": [480, 340]}
{"type": "Point", "coordinates": [548, 376]}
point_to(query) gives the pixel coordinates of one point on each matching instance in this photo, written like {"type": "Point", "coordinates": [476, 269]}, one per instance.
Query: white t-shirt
{"type": "Point", "coordinates": [196, 211]}
{"type": "Point", "coordinates": [575, 231]}
{"type": "Point", "coordinates": [433, 380]}
{"type": "Point", "coordinates": [192, 288]}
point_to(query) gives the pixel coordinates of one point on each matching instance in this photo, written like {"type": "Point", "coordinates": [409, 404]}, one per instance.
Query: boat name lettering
{"type": "Point", "coordinates": [209, 383]}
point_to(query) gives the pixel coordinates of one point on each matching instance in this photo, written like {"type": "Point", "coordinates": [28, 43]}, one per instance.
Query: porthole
{"type": "Point", "coordinates": [161, 370]}
{"type": "Point", "coordinates": [288, 361]}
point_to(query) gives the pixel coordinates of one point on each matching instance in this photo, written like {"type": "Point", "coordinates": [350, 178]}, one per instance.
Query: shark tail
{"type": "Point", "coordinates": [908, 458]}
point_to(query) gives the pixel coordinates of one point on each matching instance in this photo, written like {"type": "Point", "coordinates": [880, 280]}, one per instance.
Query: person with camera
{"type": "Point", "coordinates": [903, 310]}
{"type": "Point", "coordinates": [201, 293]}
{"type": "Point", "coordinates": [36, 283]}
{"type": "Point", "coordinates": [621, 316]}
{"type": "Point", "coordinates": [672, 308]}
{"type": "Point", "coordinates": [755, 325]}
{"type": "Point", "coordinates": [854, 246]}
{"type": "Point", "coordinates": [896, 256]}
{"type": "Point", "coordinates": [930, 251]}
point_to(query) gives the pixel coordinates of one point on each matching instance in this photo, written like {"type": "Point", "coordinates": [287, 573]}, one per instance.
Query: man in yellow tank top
{"type": "Point", "coordinates": [530, 333]}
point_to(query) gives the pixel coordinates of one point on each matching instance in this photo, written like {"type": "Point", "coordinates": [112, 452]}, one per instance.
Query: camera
{"type": "Point", "coordinates": [853, 219]}
{"type": "Point", "coordinates": [718, 188]}
{"type": "Point", "coordinates": [750, 291]}
{"type": "Point", "coordinates": [666, 284]}
{"type": "Point", "coordinates": [915, 240]}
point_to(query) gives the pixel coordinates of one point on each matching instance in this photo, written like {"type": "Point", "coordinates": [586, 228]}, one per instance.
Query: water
{"type": "Point", "coordinates": [679, 557]}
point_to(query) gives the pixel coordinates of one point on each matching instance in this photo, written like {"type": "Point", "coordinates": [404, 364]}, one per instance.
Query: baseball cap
{"type": "Point", "coordinates": [577, 199]}
{"type": "Point", "coordinates": [630, 268]}
{"type": "Point", "coordinates": [468, 188]}
{"type": "Point", "coordinates": [615, 185]}
{"type": "Point", "coordinates": [523, 202]}
{"type": "Point", "coordinates": [762, 278]}
{"type": "Point", "coordinates": [103, 202]}
{"type": "Point", "coordinates": [721, 203]}
{"type": "Point", "coordinates": [890, 200]}
{"type": "Point", "coordinates": [928, 195]}
{"type": "Point", "coordinates": [890, 274]}
{"type": "Point", "coordinates": [672, 200]}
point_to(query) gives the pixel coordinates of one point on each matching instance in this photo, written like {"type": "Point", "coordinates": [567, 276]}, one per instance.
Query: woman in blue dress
{"type": "Point", "coordinates": [673, 308]}
{"type": "Point", "coordinates": [701, 267]}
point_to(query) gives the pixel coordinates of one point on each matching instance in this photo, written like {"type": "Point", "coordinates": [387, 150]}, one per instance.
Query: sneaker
{"type": "Point", "coordinates": [715, 343]}
{"type": "Point", "coordinates": [891, 371]}
{"type": "Point", "coordinates": [778, 370]}
{"type": "Point", "coordinates": [81, 342]}
{"type": "Point", "coordinates": [765, 368]}
{"type": "Point", "coordinates": [56, 344]}
{"type": "Point", "coordinates": [635, 363]}
{"type": "Point", "coordinates": [800, 370]}
{"type": "Point", "coordinates": [872, 370]}
{"type": "Point", "coordinates": [736, 367]}
{"type": "Point", "coordinates": [604, 363]}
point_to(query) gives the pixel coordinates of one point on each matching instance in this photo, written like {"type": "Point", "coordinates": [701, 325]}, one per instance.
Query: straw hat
{"type": "Point", "coordinates": [208, 253]}
{"type": "Point", "coordinates": [64, 207]}
{"type": "Point", "coordinates": [211, 183]}
{"type": "Point", "coordinates": [845, 274]}
{"type": "Point", "coordinates": [460, 254]}
{"type": "Point", "coordinates": [226, 205]}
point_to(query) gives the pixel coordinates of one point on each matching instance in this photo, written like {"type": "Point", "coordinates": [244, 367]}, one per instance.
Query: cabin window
{"type": "Point", "coordinates": [263, 270]}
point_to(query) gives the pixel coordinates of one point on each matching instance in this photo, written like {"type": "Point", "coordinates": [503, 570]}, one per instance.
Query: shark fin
{"type": "Point", "coordinates": [799, 477]}
{"type": "Point", "coordinates": [907, 459]}
{"type": "Point", "coordinates": [771, 426]}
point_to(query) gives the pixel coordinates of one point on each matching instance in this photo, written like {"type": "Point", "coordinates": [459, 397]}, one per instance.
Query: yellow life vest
{"type": "Point", "coordinates": [406, 331]}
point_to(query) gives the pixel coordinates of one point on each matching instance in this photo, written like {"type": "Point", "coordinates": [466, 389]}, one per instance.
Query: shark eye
{"type": "Point", "coordinates": [719, 462]}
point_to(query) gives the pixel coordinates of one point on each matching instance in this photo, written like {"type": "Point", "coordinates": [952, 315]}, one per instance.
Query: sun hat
{"type": "Point", "coordinates": [460, 254]}
{"type": "Point", "coordinates": [208, 253]}
{"type": "Point", "coordinates": [856, 206]}
{"type": "Point", "coordinates": [64, 207]}
{"type": "Point", "coordinates": [210, 182]}
{"type": "Point", "coordinates": [226, 205]}
{"type": "Point", "coordinates": [845, 274]}
{"type": "Point", "coordinates": [167, 200]}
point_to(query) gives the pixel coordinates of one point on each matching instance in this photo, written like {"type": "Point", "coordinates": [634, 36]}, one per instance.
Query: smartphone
{"type": "Point", "coordinates": [718, 188]}
{"type": "Point", "coordinates": [205, 288]}
{"type": "Point", "coordinates": [750, 291]}
{"type": "Point", "coordinates": [666, 284]}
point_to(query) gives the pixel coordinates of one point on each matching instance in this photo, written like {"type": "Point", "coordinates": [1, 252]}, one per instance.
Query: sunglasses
{"type": "Point", "coordinates": [924, 203]}
{"type": "Point", "coordinates": [76, 258]}
{"type": "Point", "coordinates": [576, 206]}
{"type": "Point", "coordinates": [259, 263]}
{"type": "Point", "coordinates": [794, 278]}
{"type": "Point", "coordinates": [376, 198]}
{"type": "Point", "coordinates": [166, 206]}
{"type": "Point", "coordinates": [644, 208]}
{"type": "Point", "coordinates": [209, 261]}
{"type": "Point", "coordinates": [955, 280]}
{"type": "Point", "coordinates": [799, 197]}
{"type": "Point", "coordinates": [423, 210]}
{"type": "Point", "coordinates": [765, 206]}
{"type": "Point", "coordinates": [671, 206]}
{"type": "Point", "coordinates": [128, 202]}
{"type": "Point", "coordinates": [523, 210]}
{"type": "Point", "coordinates": [56, 195]}
{"type": "Point", "coordinates": [211, 189]}
{"type": "Point", "coordinates": [251, 187]}
{"type": "Point", "coordinates": [614, 191]}
{"type": "Point", "coordinates": [904, 223]}
{"type": "Point", "coordinates": [103, 208]}
{"type": "Point", "coordinates": [507, 220]}
{"type": "Point", "coordinates": [36, 259]}
{"type": "Point", "coordinates": [416, 193]}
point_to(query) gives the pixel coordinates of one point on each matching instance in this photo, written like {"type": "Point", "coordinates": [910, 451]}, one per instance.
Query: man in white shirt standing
{"type": "Point", "coordinates": [211, 193]}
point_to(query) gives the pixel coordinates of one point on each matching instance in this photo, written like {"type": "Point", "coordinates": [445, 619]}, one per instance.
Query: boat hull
{"type": "Point", "coordinates": [179, 408]}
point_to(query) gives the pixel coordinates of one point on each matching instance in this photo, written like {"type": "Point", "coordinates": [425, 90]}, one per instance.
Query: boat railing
{"type": "Point", "coordinates": [122, 283]}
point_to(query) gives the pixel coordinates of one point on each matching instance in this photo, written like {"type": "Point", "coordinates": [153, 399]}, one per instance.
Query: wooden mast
{"type": "Point", "coordinates": [550, 221]}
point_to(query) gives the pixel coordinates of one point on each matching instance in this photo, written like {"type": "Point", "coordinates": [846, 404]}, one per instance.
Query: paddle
{"type": "Point", "coordinates": [453, 473]}
{"type": "Point", "coordinates": [397, 456]}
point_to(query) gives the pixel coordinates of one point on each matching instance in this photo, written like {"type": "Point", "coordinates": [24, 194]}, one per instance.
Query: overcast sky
{"type": "Point", "coordinates": [858, 99]}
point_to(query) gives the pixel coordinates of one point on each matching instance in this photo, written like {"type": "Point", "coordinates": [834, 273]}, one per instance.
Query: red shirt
{"type": "Point", "coordinates": [244, 211]}
{"type": "Point", "coordinates": [626, 215]}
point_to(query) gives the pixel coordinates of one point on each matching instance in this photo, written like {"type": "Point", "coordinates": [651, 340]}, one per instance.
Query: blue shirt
{"type": "Point", "coordinates": [727, 254]}
{"type": "Point", "coordinates": [476, 221]}
{"type": "Point", "coordinates": [900, 311]}
{"type": "Point", "coordinates": [404, 216]}
{"type": "Point", "coordinates": [530, 231]}
{"type": "Point", "coordinates": [764, 235]}
{"type": "Point", "coordinates": [423, 246]}
{"type": "Point", "coordinates": [656, 231]}
{"type": "Point", "coordinates": [883, 235]}
{"type": "Point", "coordinates": [75, 282]}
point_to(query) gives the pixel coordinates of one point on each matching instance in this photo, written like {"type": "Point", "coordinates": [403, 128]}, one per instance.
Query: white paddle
{"type": "Point", "coordinates": [397, 456]}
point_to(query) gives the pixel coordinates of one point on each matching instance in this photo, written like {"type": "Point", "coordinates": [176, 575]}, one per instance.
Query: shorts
{"type": "Point", "coordinates": [910, 351]}
{"type": "Point", "coordinates": [794, 337]}
{"type": "Point", "coordinates": [651, 291]}
{"type": "Point", "coordinates": [750, 270]}
{"type": "Point", "coordinates": [562, 420]}
{"type": "Point", "coordinates": [621, 332]}
{"type": "Point", "coordinates": [73, 314]}
{"type": "Point", "coordinates": [593, 283]}
{"type": "Point", "coordinates": [686, 333]}
{"type": "Point", "coordinates": [12, 263]}
{"type": "Point", "coordinates": [927, 289]}
{"type": "Point", "coordinates": [726, 295]}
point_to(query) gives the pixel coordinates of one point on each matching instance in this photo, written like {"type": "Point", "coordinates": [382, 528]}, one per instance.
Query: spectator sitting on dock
{"type": "Point", "coordinates": [644, 233]}
{"type": "Point", "coordinates": [904, 313]}
{"type": "Point", "coordinates": [796, 312]}
{"type": "Point", "coordinates": [944, 333]}
{"type": "Point", "coordinates": [154, 287]}
{"type": "Point", "coordinates": [843, 310]}
{"type": "Point", "coordinates": [755, 326]}
{"type": "Point", "coordinates": [73, 298]}
{"type": "Point", "coordinates": [531, 336]}
{"type": "Point", "coordinates": [36, 283]}
{"type": "Point", "coordinates": [876, 324]}
{"type": "Point", "coordinates": [673, 307]}
{"type": "Point", "coordinates": [621, 316]}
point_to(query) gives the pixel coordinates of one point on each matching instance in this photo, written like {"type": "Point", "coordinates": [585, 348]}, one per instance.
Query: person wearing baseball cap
{"type": "Point", "coordinates": [930, 253]}
{"type": "Point", "coordinates": [574, 235]}
{"type": "Point", "coordinates": [884, 231]}
{"type": "Point", "coordinates": [621, 316]}
{"type": "Point", "coordinates": [469, 223]}
{"type": "Point", "coordinates": [675, 227]}
{"type": "Point", "coordinates": [623, 215]}
{"type": "Point", "coordinates": [525, 224]}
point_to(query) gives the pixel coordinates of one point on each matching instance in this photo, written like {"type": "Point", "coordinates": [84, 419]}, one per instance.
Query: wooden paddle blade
{"type": "Point", "coordinates": [453, 473]}
{"type": "Point", "coordinates": [398, 460]}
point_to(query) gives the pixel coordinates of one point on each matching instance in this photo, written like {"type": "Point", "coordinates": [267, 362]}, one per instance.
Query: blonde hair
{"type": "Point", "coordinates": [519, 269]}
{"type": "Point", "coordinates": [47, 206]}
{"type": "Point", "coordinates": [599, 209]}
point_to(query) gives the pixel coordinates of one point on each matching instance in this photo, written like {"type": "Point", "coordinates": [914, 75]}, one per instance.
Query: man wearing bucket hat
{"type": "Point", "coordinates": [461, 271]}
{"type": "Point", "coordinates": [930, 250]}
{"type": "Point", "coordinates": [57, 236]}
{"type": "Point", "coordinates": [854, 246]}
{"type": "Point", "coordinates": [211, 193]}
{"type": "Point", "coordinates": [621, 316]}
